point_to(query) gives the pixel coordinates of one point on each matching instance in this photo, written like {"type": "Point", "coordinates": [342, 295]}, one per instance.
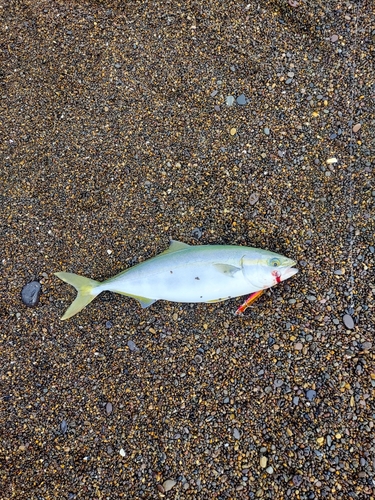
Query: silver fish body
{"type": "Point", "coordinates": [183, 273]}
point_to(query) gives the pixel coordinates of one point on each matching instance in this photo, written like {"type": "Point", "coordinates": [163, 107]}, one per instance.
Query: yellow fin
{"type": "Point", "coordinates": [84, 287]}
{"type": "Point", "coordinates": [175, 246]}
{"type": "Point", "coordinates": [216, 300]}
{"type": "Point", "coordinates": [144, 301]}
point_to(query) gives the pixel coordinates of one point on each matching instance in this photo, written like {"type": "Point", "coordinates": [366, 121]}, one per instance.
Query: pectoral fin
{"type": "Point", "coordinates": [227, 269]}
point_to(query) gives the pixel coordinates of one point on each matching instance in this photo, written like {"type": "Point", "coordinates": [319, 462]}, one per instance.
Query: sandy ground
{"type": "Point", "coordinates": [116, 137]}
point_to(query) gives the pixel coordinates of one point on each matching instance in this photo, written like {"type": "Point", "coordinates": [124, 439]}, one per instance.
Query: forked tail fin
{"type": "Point", "coordinates": [85, 288]}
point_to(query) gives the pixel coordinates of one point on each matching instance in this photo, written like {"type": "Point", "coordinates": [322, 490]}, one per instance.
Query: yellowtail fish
{"type": "Point", "coordinates": [184, 273]}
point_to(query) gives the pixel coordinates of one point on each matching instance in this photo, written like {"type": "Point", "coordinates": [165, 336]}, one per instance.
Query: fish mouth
{"type": "Point", "coordinates": [288, 272]}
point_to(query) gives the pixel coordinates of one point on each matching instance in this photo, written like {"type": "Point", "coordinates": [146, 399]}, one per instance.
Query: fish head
{"type": "Point", "coordinates": [264, 269]}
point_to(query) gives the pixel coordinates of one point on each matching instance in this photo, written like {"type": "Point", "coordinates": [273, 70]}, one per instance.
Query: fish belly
{"type": "Point", "coordinates": [201, 282]}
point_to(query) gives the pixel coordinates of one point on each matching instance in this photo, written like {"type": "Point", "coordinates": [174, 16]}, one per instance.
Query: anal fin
{"type": "Point", "coordinates": [144, 301]}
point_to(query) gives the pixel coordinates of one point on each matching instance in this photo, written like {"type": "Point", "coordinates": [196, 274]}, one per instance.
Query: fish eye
{"type": "Point", "coordinates": [275, 262]}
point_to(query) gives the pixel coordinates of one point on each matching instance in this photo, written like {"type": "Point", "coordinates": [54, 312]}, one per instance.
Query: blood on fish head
{"type": "Point", "coordinates": [266, 269]}
{"type": "Point", "coordinates": [277, 276]}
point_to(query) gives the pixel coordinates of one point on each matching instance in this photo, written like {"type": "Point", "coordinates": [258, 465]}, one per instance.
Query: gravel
{"type": "Point", "coordinates": [116, 138]}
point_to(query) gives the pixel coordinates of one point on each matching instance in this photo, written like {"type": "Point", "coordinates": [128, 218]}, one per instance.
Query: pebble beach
{"type": "Point", "coordinates": [128, 124]}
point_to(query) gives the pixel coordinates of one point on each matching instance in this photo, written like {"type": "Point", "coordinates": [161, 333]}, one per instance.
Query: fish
{"type": "Point", "coordinates": [185, 273]}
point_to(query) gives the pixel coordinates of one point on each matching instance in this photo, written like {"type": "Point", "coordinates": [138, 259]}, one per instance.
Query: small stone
{"type": "Point", "coordinates": [348, 321]}
{"type": "Point", "coordinates": [366, 345]}
{"type": "Point", "coordinates": [169, 484]}
{"type": "Point", "coordinates": [213, 93]}
{"type": "Point", "coordinates": [229, 101]}
{"type": "Point", "coordinates": [132, 346]}
{"type": "Point", "coordinates": [254, 197]}
{"type": "Point", "coordinates": [356, 127]}
{"type": "Point", "coordinates": [198, 359]}
{"type": "Point", "coordinates": [334, 38]}
{"type": "Point", "coordinates": [269, 470]}
{"type": "Point", "coordinates": [233, 131]}
{"type": "Point", "coordinates": [122, 452]}
{"type": "Point", "coordinates": [298, 346]}
{"type": "Point", "coordinates": [108, 325]}
{"type": "Point", "coordinates": [236, 433]}
{"type": "Point", "coordinates": [331, 160]}
{"type": "Point", "coordinates": [64, 426]}
{"type": "Point", "coordinates": [320, 441]}
{"type": "Point", "coordinates": [296, 400]}
{"type": "Point", "coordinates": [263, 462]}
{"type": "Point", "coordinates": [266, 130]}
{"type": "Point", "coordinates": [241, 100]}
{"type": "Point", "coordinates": [339, 272]}
{"type": "Point", "coordinates": [108, 408]}
{"type": "Point", "coordinates": [160, 489]}
{"type": "Point", "coordinates": [297, 480]}
{"type": "Point", "coordinates": [197, 233]}
{"type": "Point", "coordinates": [30, 293]}
{"type": "Point", "coordinates": [311, 394]}
{"type": "Point", "coordinates": [288, 81]}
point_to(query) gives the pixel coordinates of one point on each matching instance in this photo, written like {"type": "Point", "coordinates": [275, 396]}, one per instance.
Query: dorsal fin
{"type": "Point", "coordinates": [175, 246]}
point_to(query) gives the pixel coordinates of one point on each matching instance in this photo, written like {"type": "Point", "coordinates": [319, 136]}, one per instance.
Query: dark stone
{"type": "Point", "coordinates": [64, 426]}
{"type": "Point", "coordinates": [30, 293]}
{"type": "Point", "coordinates": [197, 232]}
{"type": "Point", "coordinates": [311, 394]}
{"type": "Point", "coordinates": [241, 100]}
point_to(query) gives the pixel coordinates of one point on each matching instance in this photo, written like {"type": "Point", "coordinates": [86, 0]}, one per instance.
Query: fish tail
{"type": "Point", "coordinates": [86, 292]}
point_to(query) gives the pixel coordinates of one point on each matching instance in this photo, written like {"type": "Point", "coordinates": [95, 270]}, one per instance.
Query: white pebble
{"type": "Point", "coordinates": [331, 160]}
